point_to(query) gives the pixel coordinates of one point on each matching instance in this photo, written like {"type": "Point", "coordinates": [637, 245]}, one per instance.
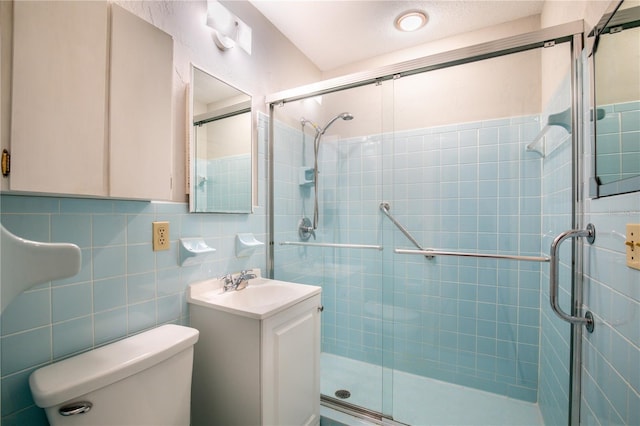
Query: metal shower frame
{"type": "Point", "coordinates": [573, 33]}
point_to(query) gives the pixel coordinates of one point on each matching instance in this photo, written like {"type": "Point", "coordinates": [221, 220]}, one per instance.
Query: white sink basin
{"type": "Point", "coordinates": [262, 298]}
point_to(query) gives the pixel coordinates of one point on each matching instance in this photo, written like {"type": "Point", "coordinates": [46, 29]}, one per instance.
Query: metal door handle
{"type": "Point", "coordinates": [74, 408]}
{"type": "Point", "coordinates": [590, 235]}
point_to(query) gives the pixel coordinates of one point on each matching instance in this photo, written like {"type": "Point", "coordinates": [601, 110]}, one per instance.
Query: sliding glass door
{"type": "Point", "coordinates": [343, 135]}
{"type": "Point", "coordinates": [473, 160]}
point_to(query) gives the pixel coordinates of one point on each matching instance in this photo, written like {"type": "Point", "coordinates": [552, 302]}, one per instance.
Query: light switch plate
{"type": "Point", "coordinates": [633, 245]}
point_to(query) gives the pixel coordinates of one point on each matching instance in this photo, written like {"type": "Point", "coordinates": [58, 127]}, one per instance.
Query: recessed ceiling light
{"type": "Point", "coordinates": [411, 20]}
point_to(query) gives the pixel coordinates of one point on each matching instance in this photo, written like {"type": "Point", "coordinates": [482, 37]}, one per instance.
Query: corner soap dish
{"type": "Point", "coordinates": [194, 250]}
{"type": "Point", "coordinates": [306, 177]}
{"type": "Point", "coordinates": [246, 244]}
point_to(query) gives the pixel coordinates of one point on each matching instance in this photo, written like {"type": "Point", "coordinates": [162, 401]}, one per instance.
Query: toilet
{"type": "Point", "coordinates": [141, 380]}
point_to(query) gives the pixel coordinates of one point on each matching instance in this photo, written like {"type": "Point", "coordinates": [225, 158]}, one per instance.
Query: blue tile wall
{"type": "Point", "coordinates": [123, 288]}
{"type": "Point", "coordinates": [467, 187]}
{"type": "Point", "coordinates": [227, 186]}
{"type": "Point", "coordinates": [611, 355]}
{"type": "Point", "coordinates": [618, 134]}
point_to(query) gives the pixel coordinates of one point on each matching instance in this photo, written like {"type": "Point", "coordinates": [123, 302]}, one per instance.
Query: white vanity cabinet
{"type": "Point", "coordinates": [257, 371]}
{"type": "Point", "coordinates": [91, 101]}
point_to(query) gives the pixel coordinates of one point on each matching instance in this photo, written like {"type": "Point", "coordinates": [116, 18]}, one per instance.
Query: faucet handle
{"type": "Point", "coordinates": [242, 284]}
{"type": "Point", "coordinates": [242, 280]}
{"type": "Point", "coordinates": [228, 282]}
{"type": "Point", "coordinates": [306, 229]}
{"type": "Point", "coordinates": [247, 275]}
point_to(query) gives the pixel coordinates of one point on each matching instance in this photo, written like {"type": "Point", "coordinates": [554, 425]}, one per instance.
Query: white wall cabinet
{"type": "Point", "coordinates": [91, 102]}
{"type": "Point", "coordinates": [257, 372]}
{"type": "Point", "coordinates": [59, 97]}
{"type": "Point", "coordinates": [139, 108]}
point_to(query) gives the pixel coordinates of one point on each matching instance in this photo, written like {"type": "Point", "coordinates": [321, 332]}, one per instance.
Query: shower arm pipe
{"type": "Point", "coordinates": [316, 148]}
{"type": "Point", "coordinates": [433, 253]}
{"type": "Point", "coordinates": [385, 207]}
{"type": "Point", "coordinates": [334, 245]}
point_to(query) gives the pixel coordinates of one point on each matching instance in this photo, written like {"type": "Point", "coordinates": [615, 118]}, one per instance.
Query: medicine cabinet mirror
{"type": "Point", "coordinates": [220, 152]}
{"type": "Point", "coordinates": [615, 75]}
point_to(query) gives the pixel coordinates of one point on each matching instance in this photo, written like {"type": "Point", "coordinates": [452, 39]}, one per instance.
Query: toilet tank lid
{"type": "Point", "coordinates": [92, 370]}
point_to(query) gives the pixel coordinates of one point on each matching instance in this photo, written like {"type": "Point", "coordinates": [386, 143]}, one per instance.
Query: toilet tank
{"type": "Point", "coordinates": [141, 380]}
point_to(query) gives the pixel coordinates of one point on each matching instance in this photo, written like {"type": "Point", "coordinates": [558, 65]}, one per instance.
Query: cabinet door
{"type": "Point", "coordinates": [291, 366]}
{"type": "Point", "coordinates": [140, 108]}
{"type": "Point", "coordinates": [58, 139]}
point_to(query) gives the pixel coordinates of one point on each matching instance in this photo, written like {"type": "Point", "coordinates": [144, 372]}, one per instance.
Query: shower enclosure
{"type": "Point", "coordinates": [448, 153]}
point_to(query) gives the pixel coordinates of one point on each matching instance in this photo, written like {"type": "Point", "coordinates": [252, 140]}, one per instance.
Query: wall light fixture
{"type": "Point", "coordinates": [228, 29]}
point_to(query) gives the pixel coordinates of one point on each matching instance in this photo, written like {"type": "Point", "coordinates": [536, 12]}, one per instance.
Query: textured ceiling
{"type": "Point", "coordinates": [333, 33]}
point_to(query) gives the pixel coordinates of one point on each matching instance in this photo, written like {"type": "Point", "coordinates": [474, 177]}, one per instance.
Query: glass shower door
{"type": "Point", "coordinates": [344, 254]}
{"type": "Point", "coordinates": [463, 181]}
{"type": "Point", "coordinates": [449, 152]}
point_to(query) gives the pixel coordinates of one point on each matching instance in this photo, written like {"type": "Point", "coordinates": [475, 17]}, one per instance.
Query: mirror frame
{"type": "Point", "coordinates": [597, 189]}
{"type": "Point", "coordinates": [191, 180]}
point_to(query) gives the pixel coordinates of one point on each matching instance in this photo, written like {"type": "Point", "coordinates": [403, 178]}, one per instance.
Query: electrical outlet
{"type": "Point", "coordinates": [633, 245]}
{"type": "Point", "coordinates": [161, 236]}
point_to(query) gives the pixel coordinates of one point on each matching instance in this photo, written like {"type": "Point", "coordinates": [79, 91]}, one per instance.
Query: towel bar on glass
{"type": "Point", "coordinates": [335, 245]}
{"type": "Point", "coordinates": [430, 252]}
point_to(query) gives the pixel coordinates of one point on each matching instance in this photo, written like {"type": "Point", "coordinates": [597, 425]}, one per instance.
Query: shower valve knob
{"type": "Point", "coordinates": [305, 229]}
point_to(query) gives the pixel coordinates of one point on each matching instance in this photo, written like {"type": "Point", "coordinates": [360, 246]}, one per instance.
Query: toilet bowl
{"type": "Point", "coordinates": [141, 380]}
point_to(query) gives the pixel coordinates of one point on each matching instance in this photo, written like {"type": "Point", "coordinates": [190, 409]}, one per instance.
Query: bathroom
{"type": "Point", "coordinates": [124, 287]}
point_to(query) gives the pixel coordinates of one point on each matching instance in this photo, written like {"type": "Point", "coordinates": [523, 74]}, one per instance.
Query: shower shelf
{"type": "Point", "coordinates": [561, 119]}
{"type": "Point", "coordinates": [539, 144]}
{"type": "Point", "coordinates": [306, 177]}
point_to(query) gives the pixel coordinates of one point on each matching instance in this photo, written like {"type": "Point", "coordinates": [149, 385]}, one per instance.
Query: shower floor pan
{"type": "Point", "coordinates": [422, 401]}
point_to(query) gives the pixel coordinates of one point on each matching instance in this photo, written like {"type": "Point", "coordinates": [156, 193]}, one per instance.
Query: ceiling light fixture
{"type": "Point", "coordinates": [411, 20]}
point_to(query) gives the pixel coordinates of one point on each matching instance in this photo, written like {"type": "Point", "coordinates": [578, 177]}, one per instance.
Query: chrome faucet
{"type": "Point", "coordinates": [238, 282]}
{"type": "Point", "coordinates": [242, 280]}
{"type": "Point", "coordinates": [228, 282]}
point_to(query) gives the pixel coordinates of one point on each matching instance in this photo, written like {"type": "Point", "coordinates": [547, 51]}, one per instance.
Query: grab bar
{"type": "Point", "coordinates": [336, 245]}
{"type": "Point", "coordinates": [385, 207]}
{"type": "Point", "coordinates": [590, 235]}
{"type": "Point", "coordinates": [481, 255]}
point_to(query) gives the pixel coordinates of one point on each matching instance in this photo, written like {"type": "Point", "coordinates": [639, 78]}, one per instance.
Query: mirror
{"type": "Point", "coordinates": [220, 158]}
{"type": "Point", "coordinates": [616, 93]}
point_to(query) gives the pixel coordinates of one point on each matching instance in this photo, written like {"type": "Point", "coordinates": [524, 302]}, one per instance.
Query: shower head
{"type": "Point", "coordinates": [345, 116]}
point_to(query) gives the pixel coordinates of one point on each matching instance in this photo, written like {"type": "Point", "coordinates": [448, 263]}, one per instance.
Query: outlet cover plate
{"type": "Point", "coordinates": [161, 236]}
{"type": "Point", "coordinates": [633, 245]}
